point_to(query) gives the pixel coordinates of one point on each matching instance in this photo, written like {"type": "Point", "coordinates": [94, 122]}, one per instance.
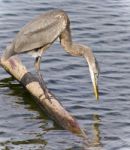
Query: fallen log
{"type": "Point", "coordinates": [53, 108]}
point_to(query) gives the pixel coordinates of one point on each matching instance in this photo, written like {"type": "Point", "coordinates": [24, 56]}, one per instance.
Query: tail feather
{"type": "Point", "coordinates": [9, 51]}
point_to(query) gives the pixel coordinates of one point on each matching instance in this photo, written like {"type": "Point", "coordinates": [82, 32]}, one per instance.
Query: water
{"type": "Point", "coordinates": [103, 25]}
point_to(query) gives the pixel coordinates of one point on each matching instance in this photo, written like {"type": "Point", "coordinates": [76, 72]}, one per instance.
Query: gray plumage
{"type": "Point", "coordinates": [40, 33]}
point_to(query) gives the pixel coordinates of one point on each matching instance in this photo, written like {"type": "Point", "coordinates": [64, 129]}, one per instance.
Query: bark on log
{"type": "Point", "coordinates": [54, 108]}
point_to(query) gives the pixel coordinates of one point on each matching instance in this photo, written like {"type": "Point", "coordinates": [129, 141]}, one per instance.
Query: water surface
{"type": "Point", "coordinates": [103, 25]}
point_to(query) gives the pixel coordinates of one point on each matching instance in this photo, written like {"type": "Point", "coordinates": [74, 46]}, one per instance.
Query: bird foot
{"type": "Point", "coordinates": [47, 96]}
{"type": "Point", "coordinates": [43, 86]}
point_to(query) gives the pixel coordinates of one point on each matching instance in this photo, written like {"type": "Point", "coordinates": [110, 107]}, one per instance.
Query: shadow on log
{"type": "Point", "coordinates": [54, 108]}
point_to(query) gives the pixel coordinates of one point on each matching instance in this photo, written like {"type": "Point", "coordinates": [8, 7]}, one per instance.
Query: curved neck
{"type": "Point", "coordinates": [75, 49]}
{"type": "Point", "coordinates": [81, 50]}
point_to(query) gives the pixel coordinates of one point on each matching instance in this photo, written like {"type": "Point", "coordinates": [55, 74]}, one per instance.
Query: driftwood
{"type": "Point", "coordinates": [54, 108]}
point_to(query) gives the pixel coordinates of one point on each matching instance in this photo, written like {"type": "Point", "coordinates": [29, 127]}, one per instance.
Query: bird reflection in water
{"type": "Point", "coordinates": [95, 141]}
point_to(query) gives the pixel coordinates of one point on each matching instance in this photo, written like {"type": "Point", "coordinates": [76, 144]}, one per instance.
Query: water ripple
{"type": "Point", "coordinates": [103, 25]}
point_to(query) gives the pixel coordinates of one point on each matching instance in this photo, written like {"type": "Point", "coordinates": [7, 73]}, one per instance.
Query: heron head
{"type": "Point", "coordinates": [94, 70]}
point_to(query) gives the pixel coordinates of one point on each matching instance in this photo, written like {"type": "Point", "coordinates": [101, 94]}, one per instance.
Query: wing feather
{"type": "Point", "coordinates": [41, 31]}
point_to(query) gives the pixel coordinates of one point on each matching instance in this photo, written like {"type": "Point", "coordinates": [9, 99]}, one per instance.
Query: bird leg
{"type": "Point", "coordinates": [40, 77]}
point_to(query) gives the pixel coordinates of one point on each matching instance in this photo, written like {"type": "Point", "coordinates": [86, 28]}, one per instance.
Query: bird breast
{"type": "Point", "coordinates": [39, 51]}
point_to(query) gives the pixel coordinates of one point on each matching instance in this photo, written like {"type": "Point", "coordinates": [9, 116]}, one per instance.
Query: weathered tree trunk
{"type": "Point", "coordinates": [55, 110]}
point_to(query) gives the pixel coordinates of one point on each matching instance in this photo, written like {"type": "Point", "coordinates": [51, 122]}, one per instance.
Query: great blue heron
{"type": "Point", "coordinates": [40, 33]}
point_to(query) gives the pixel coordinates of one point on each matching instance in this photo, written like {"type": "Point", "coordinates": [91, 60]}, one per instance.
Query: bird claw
{"type": "Point", "coordinates": [41, 81]}
{"type": "Point", "coordinates": [47, 96]}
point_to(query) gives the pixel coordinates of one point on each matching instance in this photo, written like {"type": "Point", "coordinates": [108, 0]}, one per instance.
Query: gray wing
{"type": "Point", "coordinates": [41, 31]}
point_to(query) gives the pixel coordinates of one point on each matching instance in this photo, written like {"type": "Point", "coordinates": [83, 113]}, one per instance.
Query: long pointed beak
{"type": "Point", "coordinates": [94, 71]}
{"type": "Point", "coordinates": [95, 88]}
{"type": "Point", "coordinates": [95, 84]}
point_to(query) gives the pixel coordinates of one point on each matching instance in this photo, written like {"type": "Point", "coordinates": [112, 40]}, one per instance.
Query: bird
{"type": "Point", "coordinates": [40, 33]}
